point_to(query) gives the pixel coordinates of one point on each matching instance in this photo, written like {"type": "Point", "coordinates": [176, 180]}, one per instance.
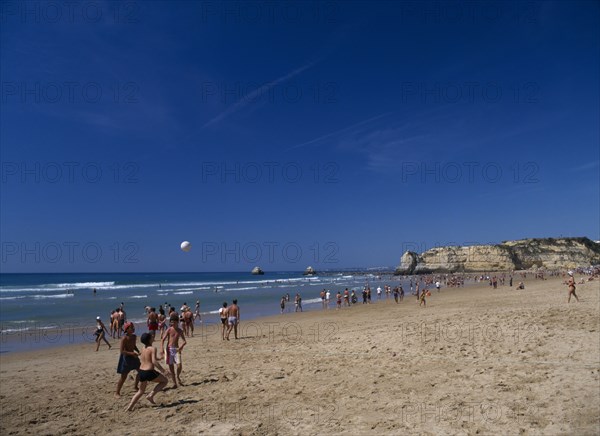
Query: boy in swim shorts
{"type": "Point", "coordinates": [128, 359]}
{"type": "Point", "coordinates": [173, 352]}
{"type": "Point", "coordinates": [149, 360]}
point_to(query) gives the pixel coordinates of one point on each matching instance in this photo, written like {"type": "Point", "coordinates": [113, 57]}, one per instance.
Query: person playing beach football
{"type": "Point", "coordinates": [173, 352]}
{"type": "Point", "coordinates": [128, 359]}
{"type": "Point", "coordinates": [149, 360]}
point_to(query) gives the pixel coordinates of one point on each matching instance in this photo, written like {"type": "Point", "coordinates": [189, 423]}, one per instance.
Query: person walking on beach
{"type": "Point", "coordinates": [233, 319]}
{"type": "Point", "coordinates": [197, 312]}
{"type": "Point", "coordinates": [282, 304]}
{"type": "Point", "coordinates": [338, 297]}
{"type": "Point", "coordinates": [99, 333]}
{"type": "Point", "coordinates": [223, 318]}
{"type": "Point", "coordinates": [571, 285]}
{"type": "Point", "coordinates": [114, 327]}
{"type": "Point", "coordinates": [322, 295]}
{"type": "Point", "coordinates": [173, 351]}
{"type": "Point", "coordinates": [396, 294]}
{"type": "Point", "coordinates": [327, 298]}
{"type": "Point", "coordinates": [401, 293]}
{"type": "Point", "coordinates": [422, 301]}
{"type": "Point", "coordinates": [128, 359]}
{"type": "Point", "coordinates": [147, 373]}
{"type": "Point", "coordinates": [438, 285]}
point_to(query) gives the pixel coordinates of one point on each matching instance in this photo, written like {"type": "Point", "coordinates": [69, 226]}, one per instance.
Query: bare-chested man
{"type": "Point", "coordinates": [114, 324]}
{"type": "Point", "coordinates": [152, 322]}
{"type": "Point", "coordinates": [173, 352]}
{"type": "Point", "coordinates": [128, 359]}
{"type": "Point", "coordinates": [233, 319]}
{"type": "Point", "coordinates": [188, 322]}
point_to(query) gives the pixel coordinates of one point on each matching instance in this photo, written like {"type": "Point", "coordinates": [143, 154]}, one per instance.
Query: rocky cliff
{"type": "Point", "coordinates": [547, 253]}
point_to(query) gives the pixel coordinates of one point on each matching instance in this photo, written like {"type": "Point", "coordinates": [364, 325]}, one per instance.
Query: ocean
{"type": "Point", "coordinates": [44, 310]}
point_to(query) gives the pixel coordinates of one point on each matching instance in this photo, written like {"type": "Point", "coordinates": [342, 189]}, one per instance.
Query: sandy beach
{"type": "Point", "coordinates": [474, 361]}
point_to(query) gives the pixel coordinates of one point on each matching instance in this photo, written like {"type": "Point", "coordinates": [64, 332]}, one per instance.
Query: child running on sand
{"type": "Point", "coordinates": [128, 359]}
{"type": "Point", "coordinates": [148, 373]}
{"type": "Point", "coordinates": [173, 352]}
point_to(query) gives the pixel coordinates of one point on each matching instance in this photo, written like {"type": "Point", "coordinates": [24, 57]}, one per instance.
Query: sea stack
{"type": "Point", "coordinates": [310, 271]}
{"type": "Point", "coordinates": [257, 271]}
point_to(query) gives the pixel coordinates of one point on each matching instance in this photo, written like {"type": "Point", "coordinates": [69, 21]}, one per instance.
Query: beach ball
{"type": "Point", "coordinates": [186, 246]}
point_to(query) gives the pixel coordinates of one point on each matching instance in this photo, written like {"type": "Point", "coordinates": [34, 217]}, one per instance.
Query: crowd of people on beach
{"type": "Point", "coordinates": [175, 326]}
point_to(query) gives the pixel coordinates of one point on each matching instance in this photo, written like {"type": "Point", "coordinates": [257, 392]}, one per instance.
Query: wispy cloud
{"type": "Point", "coordinates": [338, 132]}
{"type": "Point", "coordinates": [261, 90]}
{"type": "Point", "coordinates": [586, 166]}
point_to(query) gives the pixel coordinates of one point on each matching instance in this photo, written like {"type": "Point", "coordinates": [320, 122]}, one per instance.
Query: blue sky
{"type": "Point", "coordinates": [331, 134]}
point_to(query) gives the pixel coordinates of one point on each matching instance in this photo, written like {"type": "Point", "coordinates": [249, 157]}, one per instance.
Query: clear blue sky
{"type": "Point", "coordinates": [334, 134]}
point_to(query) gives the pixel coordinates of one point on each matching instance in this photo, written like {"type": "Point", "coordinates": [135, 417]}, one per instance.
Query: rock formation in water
{"type": "Point", "coordinates": [310, 271]}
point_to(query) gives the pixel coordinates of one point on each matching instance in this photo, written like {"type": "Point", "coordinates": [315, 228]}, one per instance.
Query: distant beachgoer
{"type": "Point", "coordinates": [521, 285]}
{"type": "Point", "coordinates": [353, 297]}
{"type": "Point", "coordinates": [282, 304]}
{"type": "Point", "coordinates": [327, 298]}
{"type": "Point", "coordinates": [369, 294]}
{"type": "Point", "coordinates": [94, 291]}
{"type": "Point", "coordinates": [152, 322]}
{"type": "Point", "coordinates": [128, 359]}
{"type": "Point", "coordinates": [188, 322]}
{"type": "Point", "coordinates": [401, 293]}
{"type": "Point", "coordinates": [346, 297]}
{"type": "Point", "coordinates": [114, 324]}
{"type": "Point", "coordinates": [364, 295]}
{"type": "Point", "coordinates": [339, 300]}
{"type": "Point", "coordinates": [396, 294]}
{"type": "Point", "coordinates": [422, 300]}
{"type": "Point", "coordinates": [379, 292]}
{"type": "Point", "coordinates": [510, 282]}
{"type": "Point", "coordinates": [298, 302]}
{"type": "Point", "coordinates": [223, 317]}
{"type": "Point", "coordinates": [149, 360]}
{"type": "Point", "coordinates": [162, 321]}
{"type": "Point", "coordinates": [233, 319]}
{"type": "Point", "coordinates": [438, 285]}
{"type": "Point", "coordinates": [197, 311]}
{"type": "Point", "coordinates": [571, 285]}
{"type": "Point", "coordinates": [173, 350]}
{"type": "Point", "coordinates": [322, 295]}
{"type": "Point", "coordinates": [99, 333]}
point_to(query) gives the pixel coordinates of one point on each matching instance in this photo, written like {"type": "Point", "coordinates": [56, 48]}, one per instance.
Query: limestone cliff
{"type": "Point", "coordinates": [548, 253]}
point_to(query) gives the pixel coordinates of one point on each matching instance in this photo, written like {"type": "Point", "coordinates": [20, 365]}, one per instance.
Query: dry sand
{"type": "Point", "coordinates": [475, 361]}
